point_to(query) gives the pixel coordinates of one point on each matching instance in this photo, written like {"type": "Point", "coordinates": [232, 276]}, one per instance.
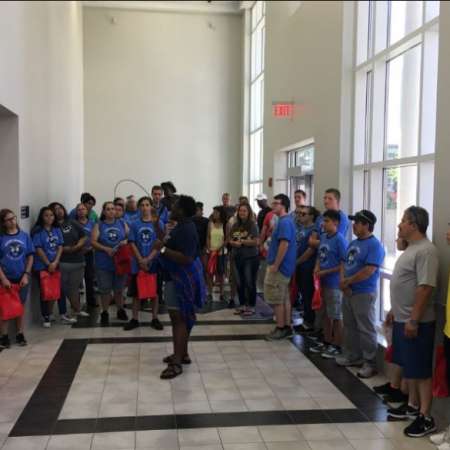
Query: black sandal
{"type": "Point", "coordinates": [171, 371]}
{"type": "Point", "coordinates": [171, 359]}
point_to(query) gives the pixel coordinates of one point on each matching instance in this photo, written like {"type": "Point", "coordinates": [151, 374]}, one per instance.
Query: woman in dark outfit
{"type": "Point", "coordinates": [184, 291]}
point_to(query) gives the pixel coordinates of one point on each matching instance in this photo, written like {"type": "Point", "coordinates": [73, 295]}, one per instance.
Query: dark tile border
{"type": "Point", "coordinates": [40, 415]}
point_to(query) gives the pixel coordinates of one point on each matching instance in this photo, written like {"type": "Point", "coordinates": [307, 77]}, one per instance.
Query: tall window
{"type": "Point", "coordinates": [394, 115]}
{"type": "Point", "coordinates": [255, 175]}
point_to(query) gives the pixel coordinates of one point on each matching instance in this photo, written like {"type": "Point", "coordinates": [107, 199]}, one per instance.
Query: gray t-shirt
{"type": "Point", "coordinates": [416, 266]}
{"type": "Point", "coordinates": [72, 232]}
{"type": "Point", "coordinates": [237, 233]}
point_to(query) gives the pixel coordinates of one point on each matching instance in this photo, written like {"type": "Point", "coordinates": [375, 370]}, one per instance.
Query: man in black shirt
{"type": "Point", "coordinates": [261, 199]}
{"type": "Point", "coordinates": [227, 206]}
{"type": "Point", "coordinates": [201, 223]}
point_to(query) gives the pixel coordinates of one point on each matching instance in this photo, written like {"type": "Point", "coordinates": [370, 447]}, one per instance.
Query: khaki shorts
{"type": "Point", "coordinates": [276, 288]}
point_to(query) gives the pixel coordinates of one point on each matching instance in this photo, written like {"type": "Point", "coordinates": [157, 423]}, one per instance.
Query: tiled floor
{"type": "Point", "coordinates": [236, 378]}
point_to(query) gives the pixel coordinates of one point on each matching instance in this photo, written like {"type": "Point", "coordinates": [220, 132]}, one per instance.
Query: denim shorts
{"type": "Point", "coordinates": [332, 299]}
{"type": "Point", "coordinates": [170, 296]}
{"type": "Point", "coordinates": [414, 355]}
{"type": "Point", "coordinates": [108, 281]}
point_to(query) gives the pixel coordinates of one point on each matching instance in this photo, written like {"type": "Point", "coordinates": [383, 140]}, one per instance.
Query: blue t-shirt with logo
{"type": "Point", "coordinates": [143, 235]}
{"type": "Point", "coordinates": [131, 216]}
{"type": "Point", "coordinates": [344, 223]}
{"type": "Point", "coordinates": [14, 250]}
{"type": "Point", "coordinates": [49, 242]}
{"type": "Point", "coordinates": [110, 235]}
{"type": "Point", "coordinates": [303, 235]}
{"type": "Point", "coordinates": [163, 213]}
{"type": "Point", "coordinates": [332, 251]}
{"type": "Point", "coordinates": [284, 231]}
{"type": "Point", "coordinates": [361, 253]}
{"type": "Point", "coordinates": [88, 227]}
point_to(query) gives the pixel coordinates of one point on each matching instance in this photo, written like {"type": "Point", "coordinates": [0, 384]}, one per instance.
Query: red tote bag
{"type": "Point", "coordinates": [317, 297]}
{"type": "Point", "coordinates": [440, 386]}
{"type": "Point", "coordinates": [50, 285]}
{"type": "Point", "coordinates": [212, 263]}
{"type": "Point", "coordinates": [10, 304]}
{"type": "Point", "coordinates": [146, 285]}
{"type": "Point", "coordinates": [122, 260]}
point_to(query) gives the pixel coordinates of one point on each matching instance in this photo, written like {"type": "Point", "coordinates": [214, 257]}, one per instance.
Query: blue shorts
{"type": "Point", "coordinates": [414, 355]}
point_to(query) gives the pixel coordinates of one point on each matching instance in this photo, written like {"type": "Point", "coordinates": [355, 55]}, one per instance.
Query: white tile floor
{"type": "Point", "coordinates": [226, 376]}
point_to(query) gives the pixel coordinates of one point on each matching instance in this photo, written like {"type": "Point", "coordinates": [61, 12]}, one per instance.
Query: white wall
{"type": "Point", "coordinates": [162, 101]}
{"type": "Point", "coordinates": [41, 82]}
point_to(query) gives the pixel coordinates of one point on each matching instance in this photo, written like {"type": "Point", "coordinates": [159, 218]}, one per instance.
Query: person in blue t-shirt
{"type": "Point", "coordinates": [281, 261]}
{"type": "Point", "coordinates": [306, 258]}
{"type": "Point", "coordinates": [16, 261]}
{"type": "Point", "coordinates": [48, 242]}
{"type": "Point", "coordinates": [107, 236]}
{"type": "Point", "coordinates": [330, 258]}
{"type": "Point", "coordinates": [360, 284]}
{"type": "Point", "coordinates": [142, 236]}
{"type": "Point", "coordinates": [161, 210]}
{"type": "Point", "coordinates": [89, 202]}
{"type": "Point", "coordinates": [131, 210]}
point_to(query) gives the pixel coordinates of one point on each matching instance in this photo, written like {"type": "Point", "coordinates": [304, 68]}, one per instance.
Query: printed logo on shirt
{"type": "Point", "coordinates": [14, 249]}
{"type": "Point", "coordinates": [52, 241]}
{"type": "Point", "coordinates": [352, 253]}
{"type": "Point", "coordinates": [323, 253]}
{"type": "Point", "coordinates": [112, 234]}
{"type": "Point", "coordinates": [66, 228]}
{"type": "Point", "coordinates": [145, 235]}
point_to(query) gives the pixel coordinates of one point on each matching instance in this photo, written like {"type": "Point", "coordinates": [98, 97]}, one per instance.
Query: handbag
{"type": "Point", "coordinates": [146, 285]}
{"type": "Point", "coordinates": [212, 263]}
{"type": "Point", "coordinates": [122, 260]}
{"type": "Point", "coordinates": [10, 305]}
{"type": "Point", "coordinates": [317, 297]}
{"type": "Point", "coordinates": [50, 285]}
{"type": "Point", "coordinates": [440, 384]}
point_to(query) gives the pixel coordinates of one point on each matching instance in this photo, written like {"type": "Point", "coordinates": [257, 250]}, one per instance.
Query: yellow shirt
{"type": "Point", "coordinates": [447, 323]}
{"type": "Point", "coordinates": [216, 237]}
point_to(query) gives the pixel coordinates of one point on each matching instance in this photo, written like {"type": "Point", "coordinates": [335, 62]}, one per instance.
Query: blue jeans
{"type": "Point", "coordinates": [246, 272]}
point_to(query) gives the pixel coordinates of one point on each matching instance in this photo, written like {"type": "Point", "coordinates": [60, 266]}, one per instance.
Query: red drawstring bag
{"type": "Point", "coordinates": [389, 354]}
{"type": "Point", "coordinates": [50, 285]}
{"type": "Point", "coordinates": [146, 285]}
{"type": "Point", "coordinates": [440, 386]}
{"type": "Point", "coordinates": [10, 304]}
{"type": "Point", "coordinates": [317, 297]}
{"type": "Point", "coordinates": [122, 260]}
{"type": "Point", "coordinates": [212, 263]}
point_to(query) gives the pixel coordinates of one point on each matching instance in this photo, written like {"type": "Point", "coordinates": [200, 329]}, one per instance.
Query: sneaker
{"type": "Point", "coordinates": [47, 324]}
{"type": "Point", "coordinates": [347, 362]}
{"type": "Point", "coordinates": [122, 314]}
{"type": "Point", "coordinates": [5, 342]}
{"type": "Point", "coordinates": [404, 412]}
{"type": "Point", "coordinates": [288, 332]}
{"type": "Point", "coordinates": [366, 371]}
{"type": "Point", "coordinates": [131, 325]}
{"type": "Point", "coordinates": [444, 446]}
{"type": "Point", "coordinates": [303, 329]}
{"type": "Point", "coordinates": [104, 318]}
{"type": "Point", "coordinates": [156, 324]}
{"type": "Point", "coordinates": [441, 438]}
{"type": "Point", "coordinates": [84, 314]}
{"type": "Point", "coordinates": [331, 352]}
{"type": "Point", "coordinates": [20, 340]}
{"type": "Point", "coordinates": [396, 397]}
{"type": "Point", "coordinates": [68, 320]}
{"type": "Point", "coordinates": [421, 426]}
{"type": "Point", "coordinates": [318, 348]}
{"type": "Point", "coordinates": [315, 336]}
{"type": "Point", "coordinates": [276, 335]}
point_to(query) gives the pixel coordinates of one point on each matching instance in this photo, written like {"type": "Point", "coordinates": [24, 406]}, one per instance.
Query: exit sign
{"type": "Point", "coordinates": [283, 109]}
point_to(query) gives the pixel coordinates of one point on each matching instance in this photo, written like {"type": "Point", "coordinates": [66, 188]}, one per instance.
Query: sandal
{"type": "Point", "coordinates": [238, 311]}
{"type": "Point", "coordinates": [248, 313]}
{"type": "Point", "coordinates": [171, 371]}
{"type": "Point", "coordinates": [171, 359]}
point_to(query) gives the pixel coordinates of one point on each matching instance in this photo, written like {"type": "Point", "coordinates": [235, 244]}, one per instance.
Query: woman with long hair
{"type": "Point", "coordinates": [244, 244]}
{"type": "Point", "coordinates": [108, 235]}
{"type": "Point", "coordinates": [48, 242]}
{"type": "Point", "coordinates": [216, 248]}
{"type": "Point", "coordinates": [81, 216]}
{"type": "Point", "coordinates": [16, 261]}
{"type": "Point", "coordinates": [71, 263]}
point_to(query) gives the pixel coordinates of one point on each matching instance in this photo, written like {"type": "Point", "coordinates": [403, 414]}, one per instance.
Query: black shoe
{"type": "Point", "coordinates": [104, 318]}
{"type": "Point", "coordinates": [315, 336]}
{"type": "Point", "coordinates": [420, 427]}
{"type": "Point", "coordinates": [5, 343]}
{"type": "Point", "coordinates": [302, 329]}
{"type": "Point", "coordinates": [131, 325]}
{"type": "Point", "coordinates": [395, 397]}
{"type": "Point", "coordinates": [20, 340]}
{"type": "Point", "coordinates": [156, 324]}
{"type": "Point", "coordinates": [404, 412]}
{"type": "Point", "coordinates": [122, 314]}
{"type": "Point", "coordinates": [288, 331]}
{"type": "Point", "coordinates": [231, 304]}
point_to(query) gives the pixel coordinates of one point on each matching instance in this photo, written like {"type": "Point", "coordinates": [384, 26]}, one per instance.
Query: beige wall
{"type": "Point", "coordinates": [163, 101]}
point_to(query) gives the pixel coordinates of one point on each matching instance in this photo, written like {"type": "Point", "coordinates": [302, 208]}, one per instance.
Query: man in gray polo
{"type": "Point", "coordinates": [413, 317]}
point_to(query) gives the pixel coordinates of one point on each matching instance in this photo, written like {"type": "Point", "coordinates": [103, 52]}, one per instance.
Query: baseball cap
{"type": "Point", "coordinates": [364, 216]}
{"type": "Point", "coordinates": [261, 196]}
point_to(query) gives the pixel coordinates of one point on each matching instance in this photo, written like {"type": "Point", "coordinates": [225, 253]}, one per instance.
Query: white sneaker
{"type": "Point", "coordinates": [68, 320]}
{"type": "Point", "coordinates": [441, 438]}
{"type": "Point", "coordinates": [84, 314]}
{"type": "Point", "coordinates": [366, 371]}
{"type": "Point", "coordinates": [46, 324]}
{"type": "Point", "coordinates": [444, 446]}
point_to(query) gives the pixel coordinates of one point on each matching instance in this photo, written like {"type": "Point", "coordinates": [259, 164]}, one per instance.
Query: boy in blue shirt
{"type": "Point", "coordinates": [359, 282]}
{"type": "Point", "coordinates": [331, 255]}
{"type": "Point", "coordinates": [281, 261]}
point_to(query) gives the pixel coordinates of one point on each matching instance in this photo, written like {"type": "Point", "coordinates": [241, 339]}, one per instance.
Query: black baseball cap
{"type": "Point", "coordinates": [364, 216]}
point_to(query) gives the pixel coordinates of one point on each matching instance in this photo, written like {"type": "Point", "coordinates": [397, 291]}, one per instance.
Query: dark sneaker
{"type": "Point", "coordinates": [304, 329]}
{"type": "Point", "coordinates": [288, 332]}
{"type": "Point", "coordinates": [131, 325]}
{"type": "Point", "coordinates": [156, 324]}
{"type": "Point", "coordinates": [5, 343]}
{"type": "Point", "coordinates": [384, 389]}
{"type": "Point", "coordinates": [20, 340]}
{"type": "Point", "coordinates": [276, 335]}
{"type": "Point", "coordinates": [320, 347]}
{"type": "Point", "coordinates": [122, 314]}
{"type": "Point", "coordinates": [405, 412]}
{"type": "Point", "coordinates": [421, 427]}
{"type": "Point", "coordinates": [315, 336]}
{"type": "Point", "coordinates": [331, 352]}
{"type": "Point", "coordinates": [104, 318]}
{"type": "Point", "coordinates": [395, 397]}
